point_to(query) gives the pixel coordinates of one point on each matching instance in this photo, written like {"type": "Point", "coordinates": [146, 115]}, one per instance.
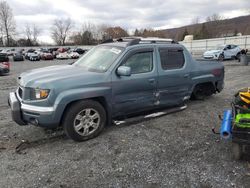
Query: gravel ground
{"type": "Point", "coordinates": [176, 150]}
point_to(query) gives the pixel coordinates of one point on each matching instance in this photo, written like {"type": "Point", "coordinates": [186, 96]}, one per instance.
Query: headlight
{"type": "Point", "coordinates": [41, 93]}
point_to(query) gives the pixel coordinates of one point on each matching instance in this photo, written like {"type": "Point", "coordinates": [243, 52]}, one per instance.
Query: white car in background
{"type": "Point", "coordinates": [9, 52]}
{"type": "Point", "coordinates": [74, 55]}
{"type": "Point", "coordinates": [63, 55]}
{"type": "Point", "coordinates": [222, 52]}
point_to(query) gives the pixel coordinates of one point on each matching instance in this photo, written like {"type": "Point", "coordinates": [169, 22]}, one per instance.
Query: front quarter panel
{"type": "Point", "coordinates": [69, 96]}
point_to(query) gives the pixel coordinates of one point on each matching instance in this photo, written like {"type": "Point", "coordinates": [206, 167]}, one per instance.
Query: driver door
{"type": "Point", "coordinates": [228, 52]}
{"type": "Point", "coordinates": [135, 93]}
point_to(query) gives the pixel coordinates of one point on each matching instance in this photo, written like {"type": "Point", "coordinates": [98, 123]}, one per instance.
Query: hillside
{"type": "Point", "coordinates": [214, 29]}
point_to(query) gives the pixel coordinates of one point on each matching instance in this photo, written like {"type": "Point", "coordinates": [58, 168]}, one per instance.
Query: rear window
{"type": "Point", "coordinates": [171, 58]}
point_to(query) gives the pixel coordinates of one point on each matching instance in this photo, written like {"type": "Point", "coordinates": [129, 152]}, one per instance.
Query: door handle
{"type": "Point", "coordinates": [152, 80]}
{"type": "Point", "coordinates": [186, 75]}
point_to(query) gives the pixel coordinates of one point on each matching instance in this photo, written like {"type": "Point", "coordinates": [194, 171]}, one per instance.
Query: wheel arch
{"type": "Point", "coordinates": [102, 100]}
{"type": "Point", "coordinates": [208, 86]}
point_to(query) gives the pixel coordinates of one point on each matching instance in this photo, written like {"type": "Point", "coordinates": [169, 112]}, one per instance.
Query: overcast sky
{"type": "Point", "coordinates": [129, 14]}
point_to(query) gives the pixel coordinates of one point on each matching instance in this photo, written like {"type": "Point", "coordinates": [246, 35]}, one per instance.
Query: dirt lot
{"type": "Point", "coordinates": [176, 150]}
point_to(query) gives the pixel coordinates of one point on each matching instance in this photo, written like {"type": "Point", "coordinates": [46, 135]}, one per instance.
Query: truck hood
{"type": "Point", "coordinates": [60, 76]}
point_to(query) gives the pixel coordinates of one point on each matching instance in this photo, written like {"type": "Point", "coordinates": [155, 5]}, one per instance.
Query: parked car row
{"type": "Point", "coordinates": [44, 54]}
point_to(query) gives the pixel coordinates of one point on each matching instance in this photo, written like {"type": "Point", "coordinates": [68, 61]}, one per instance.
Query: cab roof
{"type": "Point", "coordinates": [132, 41]}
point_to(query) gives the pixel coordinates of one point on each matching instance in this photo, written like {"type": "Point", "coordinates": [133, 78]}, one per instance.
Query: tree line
{"type": "Point", "coordinates": [213, 27]}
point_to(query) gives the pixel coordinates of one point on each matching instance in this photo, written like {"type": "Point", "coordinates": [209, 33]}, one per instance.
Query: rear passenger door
{"type": "Point", "coordinates": [174, 76]}
{"type": "Point", "coordinates": [234, 50]}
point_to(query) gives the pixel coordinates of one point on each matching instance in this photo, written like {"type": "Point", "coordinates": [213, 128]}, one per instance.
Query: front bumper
{"type": "Point", "coordinates": [220, 85]}
{"type": "Point", "coordinates": [34, 58]}
{"type": "Point", "coordinates": [210, 56]}
{"type": "Point", "coordinates": [24, 114]}
{"type": "Point", "coordinates": [15, 106]}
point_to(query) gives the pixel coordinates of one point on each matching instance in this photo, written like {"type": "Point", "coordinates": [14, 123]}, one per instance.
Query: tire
{"type": "Point", "coordinates": [237, 151]}
{"type": "Point", "coordinates": [197, 94]}
{"type": "Point", "coordinates": [84, 120]}
{"type": "Point", "coordinates": [221, 57]}
{"type": "Point", "coordinates": [202, 91]}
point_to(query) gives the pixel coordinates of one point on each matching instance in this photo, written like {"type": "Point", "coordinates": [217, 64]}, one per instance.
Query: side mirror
{"type": "Point", "coordinates": [123, 71]}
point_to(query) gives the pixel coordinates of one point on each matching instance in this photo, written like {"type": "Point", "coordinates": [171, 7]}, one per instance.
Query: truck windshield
{"type": "Point", "coordinates": [99, 58]}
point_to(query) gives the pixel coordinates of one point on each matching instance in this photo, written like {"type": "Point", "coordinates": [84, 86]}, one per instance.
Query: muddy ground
{"type": "Point", "coordinates": [176, 150]}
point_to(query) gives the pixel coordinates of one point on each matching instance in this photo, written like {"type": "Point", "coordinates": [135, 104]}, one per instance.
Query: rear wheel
{"type": "Point", "coordinates": [84, 120]}
{"type": "Point", "coordinates": [203, 90]}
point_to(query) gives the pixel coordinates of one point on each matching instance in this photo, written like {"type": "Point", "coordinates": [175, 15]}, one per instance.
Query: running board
{"type": "Point", "coordinates": [141, 118]}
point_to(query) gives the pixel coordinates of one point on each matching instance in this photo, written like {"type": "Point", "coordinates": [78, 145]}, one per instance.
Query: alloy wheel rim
{"type": "Point", "coordinates": [87, 121]}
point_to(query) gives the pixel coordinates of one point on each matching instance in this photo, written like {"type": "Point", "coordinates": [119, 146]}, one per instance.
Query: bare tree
{"type": "Point", "coordinates": [28, 32]}
{"type": "Point", "coordinates": [94, 29]}
{"type": "Point", "coordinates": [36, 32]}
{"type": "Point", "coordinates": [115, 32]}
{"type": "Point", "coordinates": [195, 20]}
{"type": "Point", "coordinates": [1, 36]}
{"type": "Point", "coordinates": [102, 31]}
{"type": "Point", "coordinates": [32, 32]}
{"type": "Point", "coordinates": [214, 17]}
{"type": "Point", "coordinates": [6, 21]}
{"type": "Point", "coordinates": [60, 30]}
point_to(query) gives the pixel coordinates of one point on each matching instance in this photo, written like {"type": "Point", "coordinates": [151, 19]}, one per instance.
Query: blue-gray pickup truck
{"type": "Point", "coordinates": [114, 79]}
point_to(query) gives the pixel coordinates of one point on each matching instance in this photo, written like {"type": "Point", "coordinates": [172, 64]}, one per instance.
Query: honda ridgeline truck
{"type": "Point", "coordinates": [112, 80]}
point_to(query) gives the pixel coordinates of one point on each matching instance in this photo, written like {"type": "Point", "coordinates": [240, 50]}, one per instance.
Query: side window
{"type": "Point", "coordinates": [171, 58]}
{"type": "Point", "coordinates": [140, 62]}
{"type": "Point", "coordinates": [233, 46]}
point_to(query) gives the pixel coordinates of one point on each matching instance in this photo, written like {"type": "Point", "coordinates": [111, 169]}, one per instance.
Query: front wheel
{"type": "Point", "coordinates": [84, 120]}
{"type": "Point", "coordinates": [221, 57]}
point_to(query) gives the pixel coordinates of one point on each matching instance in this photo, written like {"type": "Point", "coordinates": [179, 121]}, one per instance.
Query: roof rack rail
{"type": "Point", "coordinates": [157, 40]}
{"type": "Point", "coordinates": [131, 40]}
{"type": "Point", "coordinates": [137, 40]}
